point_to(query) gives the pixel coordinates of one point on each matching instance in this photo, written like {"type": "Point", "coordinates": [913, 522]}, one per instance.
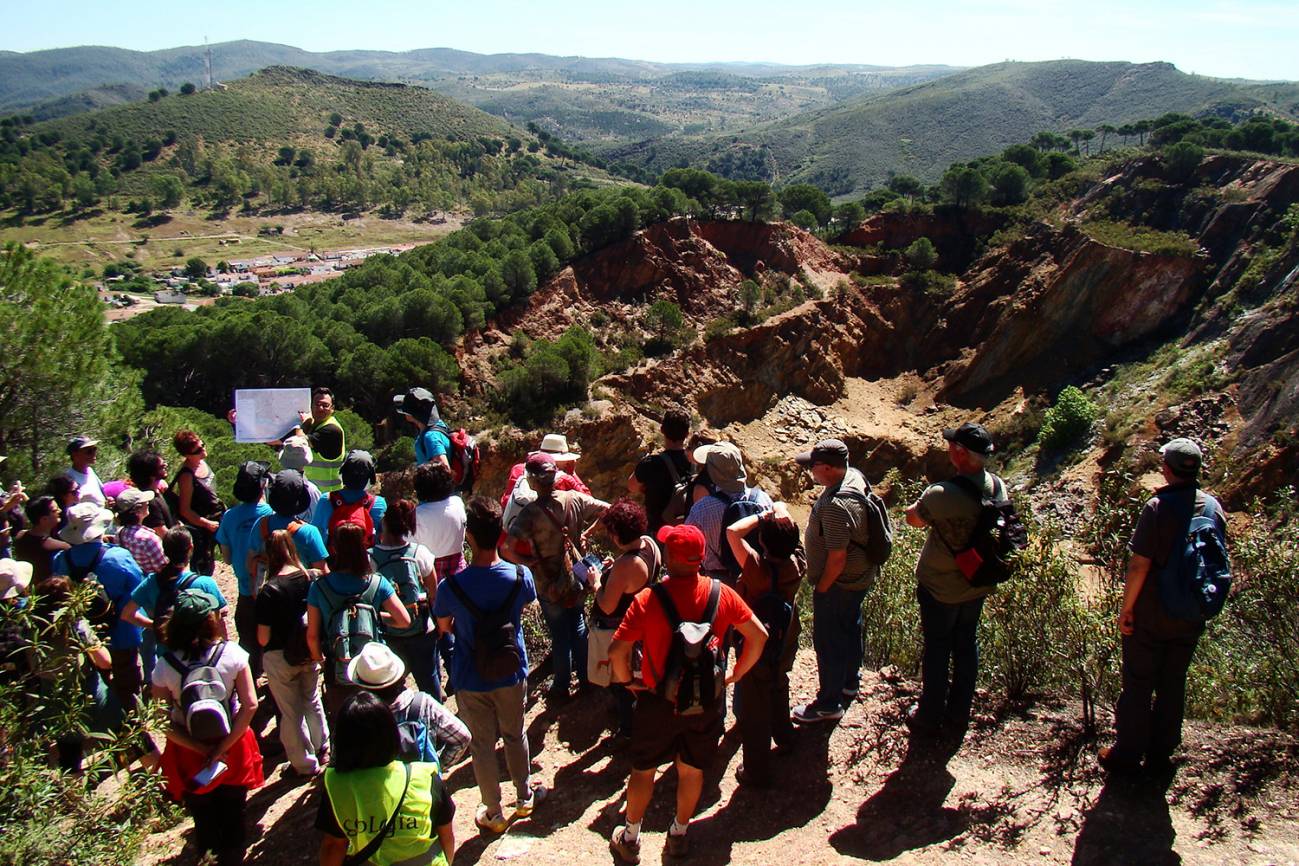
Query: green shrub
{"type": "Point", "coordinates": [553, 375]}
{"type": "Point", "coordinates": [719, 327]}
{"type": "Point", "coordinates": [1068, 421]}
{"type": "Point", "coordinates": [921, 255]}
{"type": "Point", "coordinates": [1140, 238]}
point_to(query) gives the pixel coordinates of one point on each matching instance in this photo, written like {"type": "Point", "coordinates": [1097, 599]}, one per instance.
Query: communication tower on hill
{"type": "Point", "coordinates": [207, 62]}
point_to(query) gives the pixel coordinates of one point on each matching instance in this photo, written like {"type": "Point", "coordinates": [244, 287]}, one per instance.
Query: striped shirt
{"type": "Point", "coordinates": [707, 514]}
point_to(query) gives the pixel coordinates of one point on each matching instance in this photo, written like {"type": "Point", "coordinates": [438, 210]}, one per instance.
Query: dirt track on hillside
{"type": "Point", "coordinates": [1023, 788]}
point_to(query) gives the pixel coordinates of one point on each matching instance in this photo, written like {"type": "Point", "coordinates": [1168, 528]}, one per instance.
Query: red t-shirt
{"type": "Point", "coordinates": [647, 622]}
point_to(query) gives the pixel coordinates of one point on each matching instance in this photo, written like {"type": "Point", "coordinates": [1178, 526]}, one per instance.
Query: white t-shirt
{"type": "Point", "coordinates": [423, 557]}
{"type": "Point", "coordinates": [313, 492]}
{"type": "Point", "coordinates": [233, 660]}
{"type": "Point", "coordinates": [91, 488]}
{"type": "Point", "coordinates": [440, 526]}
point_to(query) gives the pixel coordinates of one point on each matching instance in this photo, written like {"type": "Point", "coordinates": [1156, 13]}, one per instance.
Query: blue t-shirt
{"type": "Point", "coordinates": [325, 509]}
{"type": "Point", "coordinates": [430, 445]}
{"type": "Point", "coordinates": [146, 594]}
{"type": "Point", "coordinates": [118, 573]}
{"type": "Point", "coordinates": [487, 587]}
{"type": "Point", "coordinates": [306, 538]}
{"type": "Point", "coordinates": [233, 532]}
{"type": "Point", "coordinates": [344, 585]}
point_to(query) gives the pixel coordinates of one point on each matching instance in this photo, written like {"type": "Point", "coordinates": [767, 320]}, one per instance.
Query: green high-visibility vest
{"type": "Point", "coordinates": [324, 473]}
{"type": "Point", "coordinates": [364, 800]}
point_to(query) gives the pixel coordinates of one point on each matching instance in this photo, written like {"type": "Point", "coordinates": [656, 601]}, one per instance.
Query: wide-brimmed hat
{"type": "Point", "coordinates": [15, 577]}
{"type": "Point", "coordinates": [375, 667]}
{"type": "Point", "coordinates": [556, 445]}
{"type": "Point", "coordinates": [87, 521]}
{"type": "Point", "coordinates": [418, 403]}
{"type": "Point", "coordinates": [724, 464]}
{"type": "Point", "coordinates": [132, 498]}
{"type": "Point", "coordinates": [295, 453]}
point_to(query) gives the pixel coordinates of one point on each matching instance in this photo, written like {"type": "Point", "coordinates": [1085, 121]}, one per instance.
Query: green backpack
{"type": "Point", "coordinates": [402, 570]}
{"type": "Point", "coordinates": [353, 623]}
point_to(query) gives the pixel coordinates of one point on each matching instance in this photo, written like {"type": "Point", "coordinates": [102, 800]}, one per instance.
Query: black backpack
{"type": "Point", "coordinates": [496, 652]}
{"type": "Point", "coordinates": [102, 612]}
{"type": "Point", "coordinates": [775, 614]}
{"type": "Point", "coordinates": [695, 674]}
{"type": "Point", "coordinates": [678, 502]}
{"type": "Point", "coordinates": [998, 535]}
{"type": "Point", "coordinates": [879, 529]}
{"type": "Point", "coordinates": [167, 595]}
{"type": "Point", "coordinates": [736, 509]}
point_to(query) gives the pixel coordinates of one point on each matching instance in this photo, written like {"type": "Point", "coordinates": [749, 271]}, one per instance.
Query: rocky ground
{"type": "Point", "coordinates": [1023, 788]}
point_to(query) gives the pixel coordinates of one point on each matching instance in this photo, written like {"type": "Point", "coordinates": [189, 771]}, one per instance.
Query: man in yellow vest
{"type": "Point", "coordinates": [328, 444]}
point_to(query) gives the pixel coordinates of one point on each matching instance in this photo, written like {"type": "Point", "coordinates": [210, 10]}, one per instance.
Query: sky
{"type": "Point", "coordinates": [1242, 39]}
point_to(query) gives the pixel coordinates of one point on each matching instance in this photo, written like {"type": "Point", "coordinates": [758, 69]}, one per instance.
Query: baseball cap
{"type": "Point", "coordinates": [972, 437]}
{"type": "Point", "coordinates": [724, 464]}
{"type": "Point", "coordinates": [132, 498]}
{"type": "Point", "coordinates": [1182, 456]}
{"type": "Point", "coordinates": [76, 443]}
{"type": "Point", "coordinates": [193, 606]}
{"type": "Point", "coordinates": [829, 451]}
{"type": "Point", "coordinates": [357, 469]}
{"type": "Point", "coordinates": [249, 480]}
{"type": "Point", "coordinates": [540, 465]}
{"type": "Point", "coordinates": [684, 543]}
{"type": "Point", "coordinates": [288, 494]}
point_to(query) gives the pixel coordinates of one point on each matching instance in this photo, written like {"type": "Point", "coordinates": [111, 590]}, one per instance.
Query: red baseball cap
{"type": "Point", "coordinates": [683, 543]}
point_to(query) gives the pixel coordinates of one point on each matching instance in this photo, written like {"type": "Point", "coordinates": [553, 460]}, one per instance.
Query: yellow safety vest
{"type": "Point", "coordinates": [324, 473]}
{"type": "Point", "coordinates": [364, 800]}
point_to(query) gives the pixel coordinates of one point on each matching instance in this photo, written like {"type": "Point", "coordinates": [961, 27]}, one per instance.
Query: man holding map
{"type": "Point", "coordinates": [266, 416]}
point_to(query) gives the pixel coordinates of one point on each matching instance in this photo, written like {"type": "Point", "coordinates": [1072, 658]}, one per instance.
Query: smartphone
{"type": "Point", "coordinates": [208, 774]}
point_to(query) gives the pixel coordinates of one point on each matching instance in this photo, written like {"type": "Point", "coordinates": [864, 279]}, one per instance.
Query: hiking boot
{"type": "Point", "coordinates": [810, 714]}
{"type": "Point", "coordinates": [1115, 764]}
{"type": "Point", "coordinates": [488, 822]}
{"type": "Point", "coordinates": [921, 724]}
{"type": "Point", "coordinates": [625, 849]}
{"type": "Point", "coordinates": [678, 845]}
{"type": "Point", "coordinates": [536, 793]}
{"type": "Point", "coordinates": [750, 780]}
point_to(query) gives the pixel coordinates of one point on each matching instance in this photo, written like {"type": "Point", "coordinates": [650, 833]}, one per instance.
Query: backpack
{"type": "Point", "coordinates": [203, 696]}
{"type": "Point", "coordinates": [353, 623]}
{"type": "Point", "coordinates": [496, 654]}
{"type": "Point", "coordinates": [296, 651]}
{"type": "Point", "coordinates": [879, 529]}
{"type": "Point", "coordinates": [101, 610]}
{"type": "Point", "coordinates": [1194, 583]}
{"type": "Point", "coordinates": [998, 535]}
{"type": "Point", "coordinates": [776, 615]}
{"type": "Point", "coordinates": [695, 674]}
{"type": "Point", "coordinates": [167, 594]}
{"type": "Point", "coordinates": [415, 742]}
{"type": "Point", "coordinates": [402, 570]}
{"type": "Point", "coordinates": [357, 513]}
{"type": "Point", "coordinates": [521, 495]}
{"type": "Point", "coordinates": [462, 455]}
{"type": "Point", "coordinates": [736, 509]}
{"type": "Point", "coordinates": [678, 492]}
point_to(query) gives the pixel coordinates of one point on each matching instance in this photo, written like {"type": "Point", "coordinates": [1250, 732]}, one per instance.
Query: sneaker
{"type": "Point", "coordinates": [536, 793]}
{"type": "Point", "coordinates": [810, 714]}
{"type": "Point", "coordinates": [489, 822]}
{"type": "Point", "coordinates": [678, 846]}
{"type": "Point", "coordinates": [625, 849]}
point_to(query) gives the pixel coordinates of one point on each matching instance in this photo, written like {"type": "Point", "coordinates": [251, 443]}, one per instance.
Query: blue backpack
{"type": "Point", "coordinates": [736, 509]}
{"type": "Point", "coordinates": [1194, 583]}
{"type": "Point", "coordinates": [415, 741]}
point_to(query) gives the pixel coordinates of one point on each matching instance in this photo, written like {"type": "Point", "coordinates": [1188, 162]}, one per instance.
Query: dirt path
{"type": "Point", "coordinates": [1021, 789]}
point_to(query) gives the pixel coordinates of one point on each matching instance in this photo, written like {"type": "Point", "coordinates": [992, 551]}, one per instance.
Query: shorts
{"type": "Point", "coordinates": [660, 736]}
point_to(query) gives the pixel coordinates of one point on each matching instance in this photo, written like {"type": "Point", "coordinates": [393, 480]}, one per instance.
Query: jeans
{"type": "Point", "coordinates": [762, 707]}
{"type": "Point", "coordinates": [567, 627]}
{"type": "Point", "coordinates": [420, 653]}
{"type": "Point", "coordinates": [1155, 662]}
{"type": "Point", "coordinates": [303, 730]}
{"type": "Point", "coordinates": [490, 716]}
{"type": "Point", "coordinates": [951, 633]}
{"type": "Point", "coordinates": [837, 640]}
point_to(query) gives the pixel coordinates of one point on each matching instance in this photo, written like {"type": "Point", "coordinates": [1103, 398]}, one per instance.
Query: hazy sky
{"type": "Point", "coordinates": [1242, 39]}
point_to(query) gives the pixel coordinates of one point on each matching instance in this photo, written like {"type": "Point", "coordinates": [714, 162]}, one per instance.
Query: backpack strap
{"type": "Point", "coordinates": [714, 598]}
{"type": "Point", "coordinates": [215, 655]}
{"type": "Point", "coordinates": [474, 610]}
{"type": "Point", "coordinates": [373, 846]}
{"type": "Point", "coordinates": [673, 473]}
{"type": "Point", "coordinates": [669, 609]}
{"type": "Point", "coordinates": [177, 665]}
{"type": "Point", "coordinates": [371, 590]}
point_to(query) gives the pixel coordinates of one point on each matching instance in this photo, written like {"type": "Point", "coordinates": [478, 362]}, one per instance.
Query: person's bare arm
{"type": "Point", "coordinates": [1135, 579]}
{"type": "Point", "coordinates": [247, 693]}
{"type": "Point", "coordinates": [755, 638]}
{"type": "Point", "coordinates": [834, 563]}
{"type": "Point", "coordinates": [735, 534]}
{"type": "Point", "coordinates": [620, 665]}
{"type": "Point", "coordinates": [447, 838]}
{"type": "Point", "coordinates": [54, 545]}
{"type": "Point", "coordinates": [914, 518]}
{"type": "Point", "coordinates": [446, 624]}
{"type": "Point", "coordinates": [313, 633]}
{"type": "Point", "coordinates": [397, 614]}
{"type": "Point", "coordinates": [621, 578]}
{"type": "Point", "coordinates": [134, 615]}
{"type": "Point", "coordinates": [263, 635]}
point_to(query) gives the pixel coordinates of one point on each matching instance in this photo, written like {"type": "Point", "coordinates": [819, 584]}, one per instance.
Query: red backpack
{"type": "Point", "coordinates": [462, 456]}
{"type": "Point", "coordinates": [357, 513]}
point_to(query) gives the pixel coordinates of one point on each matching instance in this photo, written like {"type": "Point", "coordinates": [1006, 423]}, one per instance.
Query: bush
{"type": "Point", "coordinates": [921, 255]}
{"type": "Point", "coordinates": [1067, 421]}
{"type": "Point", "coordinates": [553, 375]}
{"type": "Point", "coordinates": [1181, 160]}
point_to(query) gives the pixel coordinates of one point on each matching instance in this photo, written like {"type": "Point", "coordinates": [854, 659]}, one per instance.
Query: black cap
{"type": "Point", "coordinates": [76, 443]}
{"type": "Point", "coordinates": [972, 437]}
{"type": "Point", "coordinates": [288, 496]}
{"type": "Point", "coordinates": [357, 469]}
{"type": "Point", "coordinates": [248, 483]}
{"type": "Point", "coordinates": [831, 452]}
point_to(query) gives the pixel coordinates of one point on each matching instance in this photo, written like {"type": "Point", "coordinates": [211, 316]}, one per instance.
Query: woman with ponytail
{"type": "Point", "coordinates": [409, 567]}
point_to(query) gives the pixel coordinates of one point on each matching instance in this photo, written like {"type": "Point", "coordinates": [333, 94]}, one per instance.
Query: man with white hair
{"type": "Point", "coordinates": [950, 606]}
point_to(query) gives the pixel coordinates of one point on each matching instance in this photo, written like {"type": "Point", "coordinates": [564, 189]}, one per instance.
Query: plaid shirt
{"type": "Point", "coordinates": [145, 545]}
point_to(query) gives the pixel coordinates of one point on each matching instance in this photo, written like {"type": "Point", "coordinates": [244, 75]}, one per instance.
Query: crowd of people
{"type": "Point", "coordinates": [358, 619]}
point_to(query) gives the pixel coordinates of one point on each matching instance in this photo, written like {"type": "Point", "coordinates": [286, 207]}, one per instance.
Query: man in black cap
{"type": "Point", "coordinates": [82, 451]}
{"type": "Point", "coordinates": [949, 606]}
{"type": "Point", "coordinates": [1157, 646]}
{"type": "Point", "coordinates": [840, 571]}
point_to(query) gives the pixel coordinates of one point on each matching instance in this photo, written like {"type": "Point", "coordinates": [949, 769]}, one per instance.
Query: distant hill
{"type": "Point", "coordinates": [920, 130]}
{"type": "Point", "coordinates": [609, 100]}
